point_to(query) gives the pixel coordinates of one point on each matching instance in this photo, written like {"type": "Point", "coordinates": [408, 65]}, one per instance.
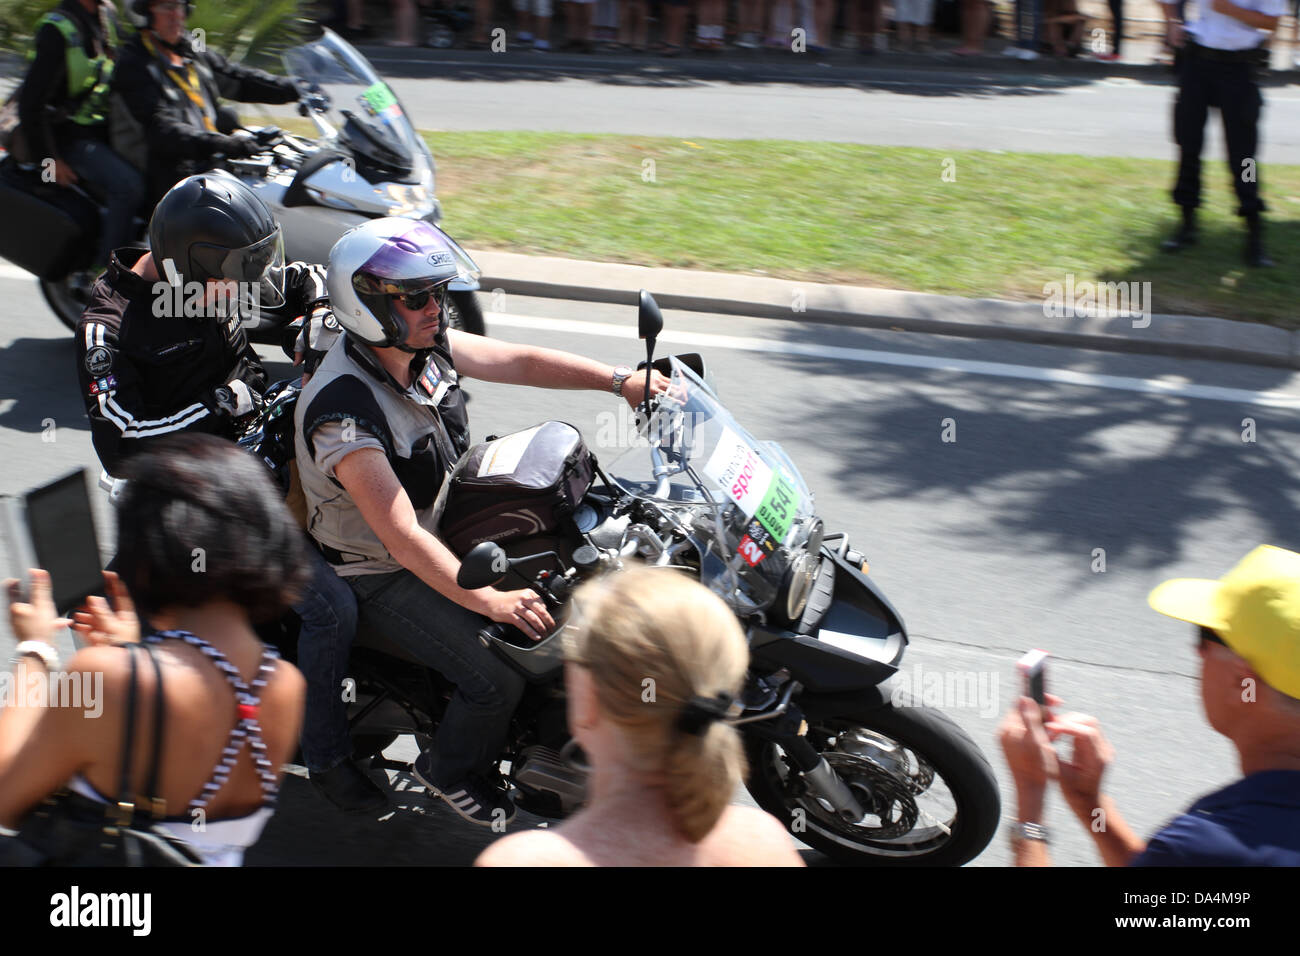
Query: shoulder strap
{"type": "Point", "coordinates": [125, 805]}
{"type": "Point", "coordinates": [157, 805]}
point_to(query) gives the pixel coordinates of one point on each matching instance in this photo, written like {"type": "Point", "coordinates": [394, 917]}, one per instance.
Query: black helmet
{"type": "Point", "coordinates": [139, 11]}
{"type": "Point", "coordinates": [212, 226]}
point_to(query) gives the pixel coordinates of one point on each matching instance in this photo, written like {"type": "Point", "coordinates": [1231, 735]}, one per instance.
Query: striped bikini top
{"type": "Point", "coordinates": [247, 730]}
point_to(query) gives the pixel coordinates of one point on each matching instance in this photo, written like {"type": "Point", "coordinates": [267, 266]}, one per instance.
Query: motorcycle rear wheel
{"type": "Point", "coordinates": [68, 297]}
{"type": "Point", "coordinates": [464, 312]}
{"type": "Point", "coordinates": [892, 758]}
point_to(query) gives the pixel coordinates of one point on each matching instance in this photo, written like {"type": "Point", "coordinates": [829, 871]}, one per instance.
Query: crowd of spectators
{"type": "Point", "coordinates": [672, 26]}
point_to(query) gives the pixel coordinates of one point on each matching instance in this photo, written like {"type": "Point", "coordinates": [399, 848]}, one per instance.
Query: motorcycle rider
{"type": "Point", "coordinates": [63, 112]}
{"type": "Point", "coordinates": [172, 88]}
{"type": "Point", "coordinates": [378, 426]}
{"type": "Point", "coordinates": [161, 349]}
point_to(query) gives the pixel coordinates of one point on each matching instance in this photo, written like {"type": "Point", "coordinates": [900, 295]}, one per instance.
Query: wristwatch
{"type": "Point", "coordinates": [40, 649]}
{"type": "Point", "coordinates": [1028, 831]}
{"type": "Point", "coordinates": [621, 374]}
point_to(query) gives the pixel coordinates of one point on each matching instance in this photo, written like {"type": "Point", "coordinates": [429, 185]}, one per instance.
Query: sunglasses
{"type": "Point", "coordinates": [1204, 634]}
{"type": "Point", "coordinates": [416, 301]}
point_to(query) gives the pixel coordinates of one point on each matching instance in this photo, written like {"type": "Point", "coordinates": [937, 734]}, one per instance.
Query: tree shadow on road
{"type": "Point", "coordinates": [40, 367]}
{"type": "Point", "coordinates": [1052, 469]}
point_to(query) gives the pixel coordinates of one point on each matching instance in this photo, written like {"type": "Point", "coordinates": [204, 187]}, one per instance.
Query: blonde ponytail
{"type": "Point", "coordinates": [653, 640]}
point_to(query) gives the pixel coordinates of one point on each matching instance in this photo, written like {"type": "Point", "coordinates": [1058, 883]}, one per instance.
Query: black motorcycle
{"type": "Point", "coordinates": [860, 774]}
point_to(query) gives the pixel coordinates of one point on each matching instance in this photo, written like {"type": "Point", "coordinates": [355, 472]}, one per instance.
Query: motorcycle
{"type": "Point", "coordinates": [366, 161]}
{"type": "Point", "coordinates": [861, 774]}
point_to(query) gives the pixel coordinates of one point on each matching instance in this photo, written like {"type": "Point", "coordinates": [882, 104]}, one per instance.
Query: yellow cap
{"type": "Point", "coordinates": [1255, 608]}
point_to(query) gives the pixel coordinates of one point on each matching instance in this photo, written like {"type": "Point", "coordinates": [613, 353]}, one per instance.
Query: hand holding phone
{"type": "Point", "coordinates": [1033, 667]}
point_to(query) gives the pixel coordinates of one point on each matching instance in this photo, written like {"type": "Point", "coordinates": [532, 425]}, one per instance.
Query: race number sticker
{"type": "Point", "coordinates": [751, 551]}
{"type": "Point", "coordinates": [777, 512]}
{"type": "Point", "coordinates": [741, 473]}
{"type": "Point", "coordinates": [501, 457]}
{"type": "Point", "coordinates": [379, 99]}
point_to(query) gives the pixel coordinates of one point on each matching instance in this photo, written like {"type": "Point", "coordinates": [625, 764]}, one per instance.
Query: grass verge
{"type": "Point", "coordinates": [949, 221]}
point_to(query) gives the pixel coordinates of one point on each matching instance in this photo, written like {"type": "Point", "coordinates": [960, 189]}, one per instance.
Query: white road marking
{"type": "Point", "coordinates": [1124, 383]}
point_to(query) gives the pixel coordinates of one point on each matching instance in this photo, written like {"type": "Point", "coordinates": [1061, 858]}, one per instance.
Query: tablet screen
{"type": "Point", "coordinates": [62, 530]}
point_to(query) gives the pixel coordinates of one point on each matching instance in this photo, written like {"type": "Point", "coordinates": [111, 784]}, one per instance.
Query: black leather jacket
{"type": "Point", "coordinates": [180, 144]}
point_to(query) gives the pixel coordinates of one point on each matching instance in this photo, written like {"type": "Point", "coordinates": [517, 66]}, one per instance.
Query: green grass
{"type": "Point", "coordinates": [1004, 226]}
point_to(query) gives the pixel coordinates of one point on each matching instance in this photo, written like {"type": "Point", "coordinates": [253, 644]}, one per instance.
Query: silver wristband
{"type": "Point", "coordinates": [40, 649]}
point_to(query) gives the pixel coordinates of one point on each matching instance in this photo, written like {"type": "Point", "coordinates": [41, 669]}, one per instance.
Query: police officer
{"type": "Point", "coordinates": [63, 110]}
{"type": "Point", "coordinates": [1221, 52]}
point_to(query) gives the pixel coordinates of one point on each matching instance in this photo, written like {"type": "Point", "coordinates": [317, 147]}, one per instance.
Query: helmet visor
{"type": "Point", "coordinates": [259, 266]}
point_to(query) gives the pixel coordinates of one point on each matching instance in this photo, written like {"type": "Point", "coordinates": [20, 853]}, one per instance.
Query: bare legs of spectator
{"type": "Point", "coordinates": [708, 29]}
{"type": "Point", "coordinates": [974, 26]}
{"type": "Point", "coordinates": [482, 20]}
{"type": "Point", "coordinates": [779, 24]}
{"type": "Point", "coordinates": [579, 16]}
{"type": "Point", "coordinates": [632, 25]}
{"type": "Point", "coordinates": [356, 15]}
{"type": "Point", "coordinates": [750, 23]}
{"type": "Point", "coordinates": [674, 31]}
{"type": "Point", "coordinates": [870, 26]}
{"type": "Point", "coordinates": [404, 19]}
{"type": "Point", "coordinates": [823, 16]}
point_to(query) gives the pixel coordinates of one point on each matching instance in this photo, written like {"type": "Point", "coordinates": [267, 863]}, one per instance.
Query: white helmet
{"type": "Point", "coordinates": [380, 259]}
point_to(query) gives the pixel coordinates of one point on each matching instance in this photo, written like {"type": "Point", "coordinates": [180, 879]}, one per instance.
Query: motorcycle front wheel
{"type": "Point", "coordinates": [929, 793]}
{"type": "Point", "coordinates": [464, 312]}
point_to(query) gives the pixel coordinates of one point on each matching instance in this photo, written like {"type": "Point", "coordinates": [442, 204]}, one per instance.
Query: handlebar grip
{"type": "Point", "coordinates": [492, 631]}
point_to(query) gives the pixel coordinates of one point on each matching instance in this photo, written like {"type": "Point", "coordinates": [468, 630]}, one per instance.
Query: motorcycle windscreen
{"type": "Point", "coordinates": [363, 106]}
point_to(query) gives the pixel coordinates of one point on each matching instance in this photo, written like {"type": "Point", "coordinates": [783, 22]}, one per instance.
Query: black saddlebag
{"type": "Point", "coordinates": [44, 228]}
{"type": "Point", "coordinates": [518, 486]}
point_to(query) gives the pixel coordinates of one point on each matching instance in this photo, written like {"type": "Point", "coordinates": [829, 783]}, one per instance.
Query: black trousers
{"type": "Point", "coordinates": [1231, 86]}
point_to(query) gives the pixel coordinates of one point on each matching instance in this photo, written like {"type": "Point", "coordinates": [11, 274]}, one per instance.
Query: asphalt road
{"type": "Point", "coordinates": [905, 106]}
{"type": "Point", "coordinates": [987, 545]}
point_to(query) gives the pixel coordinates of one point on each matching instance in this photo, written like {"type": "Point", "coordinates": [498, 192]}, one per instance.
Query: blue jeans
{"type": "Point", "coordinates": [1029, 16]}
{"type": "Point", "coordinates": [328, 610]}
{"type": "Point", "coordinates": [444, 636]}
{"type": "Point", "coordinates": [114, 183]}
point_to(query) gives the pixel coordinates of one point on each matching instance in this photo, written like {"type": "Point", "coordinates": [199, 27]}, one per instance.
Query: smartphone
{"type": "Point", "coordinates": [1033, 667]}
{"type": "Point", "coordinates": [53, 528]}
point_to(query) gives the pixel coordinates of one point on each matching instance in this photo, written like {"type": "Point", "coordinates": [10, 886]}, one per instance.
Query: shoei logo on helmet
{"type": "Point", "coordinates": [441, 258]}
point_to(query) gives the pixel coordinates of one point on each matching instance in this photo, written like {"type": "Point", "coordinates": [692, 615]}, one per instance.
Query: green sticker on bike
{"type": "Point", "coordinates": [777, 511]}
{"type": "Point", "coordinates": [379, 97]}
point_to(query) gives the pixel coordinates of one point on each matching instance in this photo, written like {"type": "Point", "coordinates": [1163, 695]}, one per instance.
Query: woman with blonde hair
{"type": "Point", "coordinates": [654, 664]}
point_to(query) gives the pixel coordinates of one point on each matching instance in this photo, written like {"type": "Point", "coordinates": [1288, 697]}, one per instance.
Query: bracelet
{"type": "Point", "coordinates": [1028, 831]}
{"type": "Point", "coordinates": [48, 655]}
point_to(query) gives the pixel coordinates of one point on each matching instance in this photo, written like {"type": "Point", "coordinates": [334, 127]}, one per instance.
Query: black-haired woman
{"type": "Point", "coordinates": [207, 548]}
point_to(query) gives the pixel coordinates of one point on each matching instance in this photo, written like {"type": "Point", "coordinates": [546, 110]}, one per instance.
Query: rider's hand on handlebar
{"type": "Point", "coordinates": [64, 174]}
{"type": "Point", "coordinates": [634, 386]}
{"type": "Point", "coordinates": [523, 609]}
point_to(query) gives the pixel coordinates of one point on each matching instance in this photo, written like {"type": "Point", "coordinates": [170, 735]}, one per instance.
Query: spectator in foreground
{"type": "Point", "coordinates": [232, 708]}
{"type": "Point", "coordinates": [1248, 639]}
{"type": "Point", "coordinates": [654, 665]}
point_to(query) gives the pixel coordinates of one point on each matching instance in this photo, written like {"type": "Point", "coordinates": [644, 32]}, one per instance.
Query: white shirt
{"type": "Point", "coordinates": [1222, 32]}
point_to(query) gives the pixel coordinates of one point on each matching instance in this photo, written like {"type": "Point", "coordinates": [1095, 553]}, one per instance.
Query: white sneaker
{"type": "Point", "coordinates": [1028, 54]}
{"type": "Point", "coordinates": [747, 41]}
{"type": "Point", "coordinates": [525, 37]}
{"type": "Point", "coordinates": [541, 46]}
{"type": "Point", "coordinates": [1012, 51]}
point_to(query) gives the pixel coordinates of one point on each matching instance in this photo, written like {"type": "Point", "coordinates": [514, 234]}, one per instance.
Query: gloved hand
{"type": "Point", "coordinates": [314, 103]}
{"type": "Point", "coordinates": [240, 147]}
{"type": "Point", "coordinates": [319, 331]}
{"type": "Point", "coordinates": [235, 399]}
